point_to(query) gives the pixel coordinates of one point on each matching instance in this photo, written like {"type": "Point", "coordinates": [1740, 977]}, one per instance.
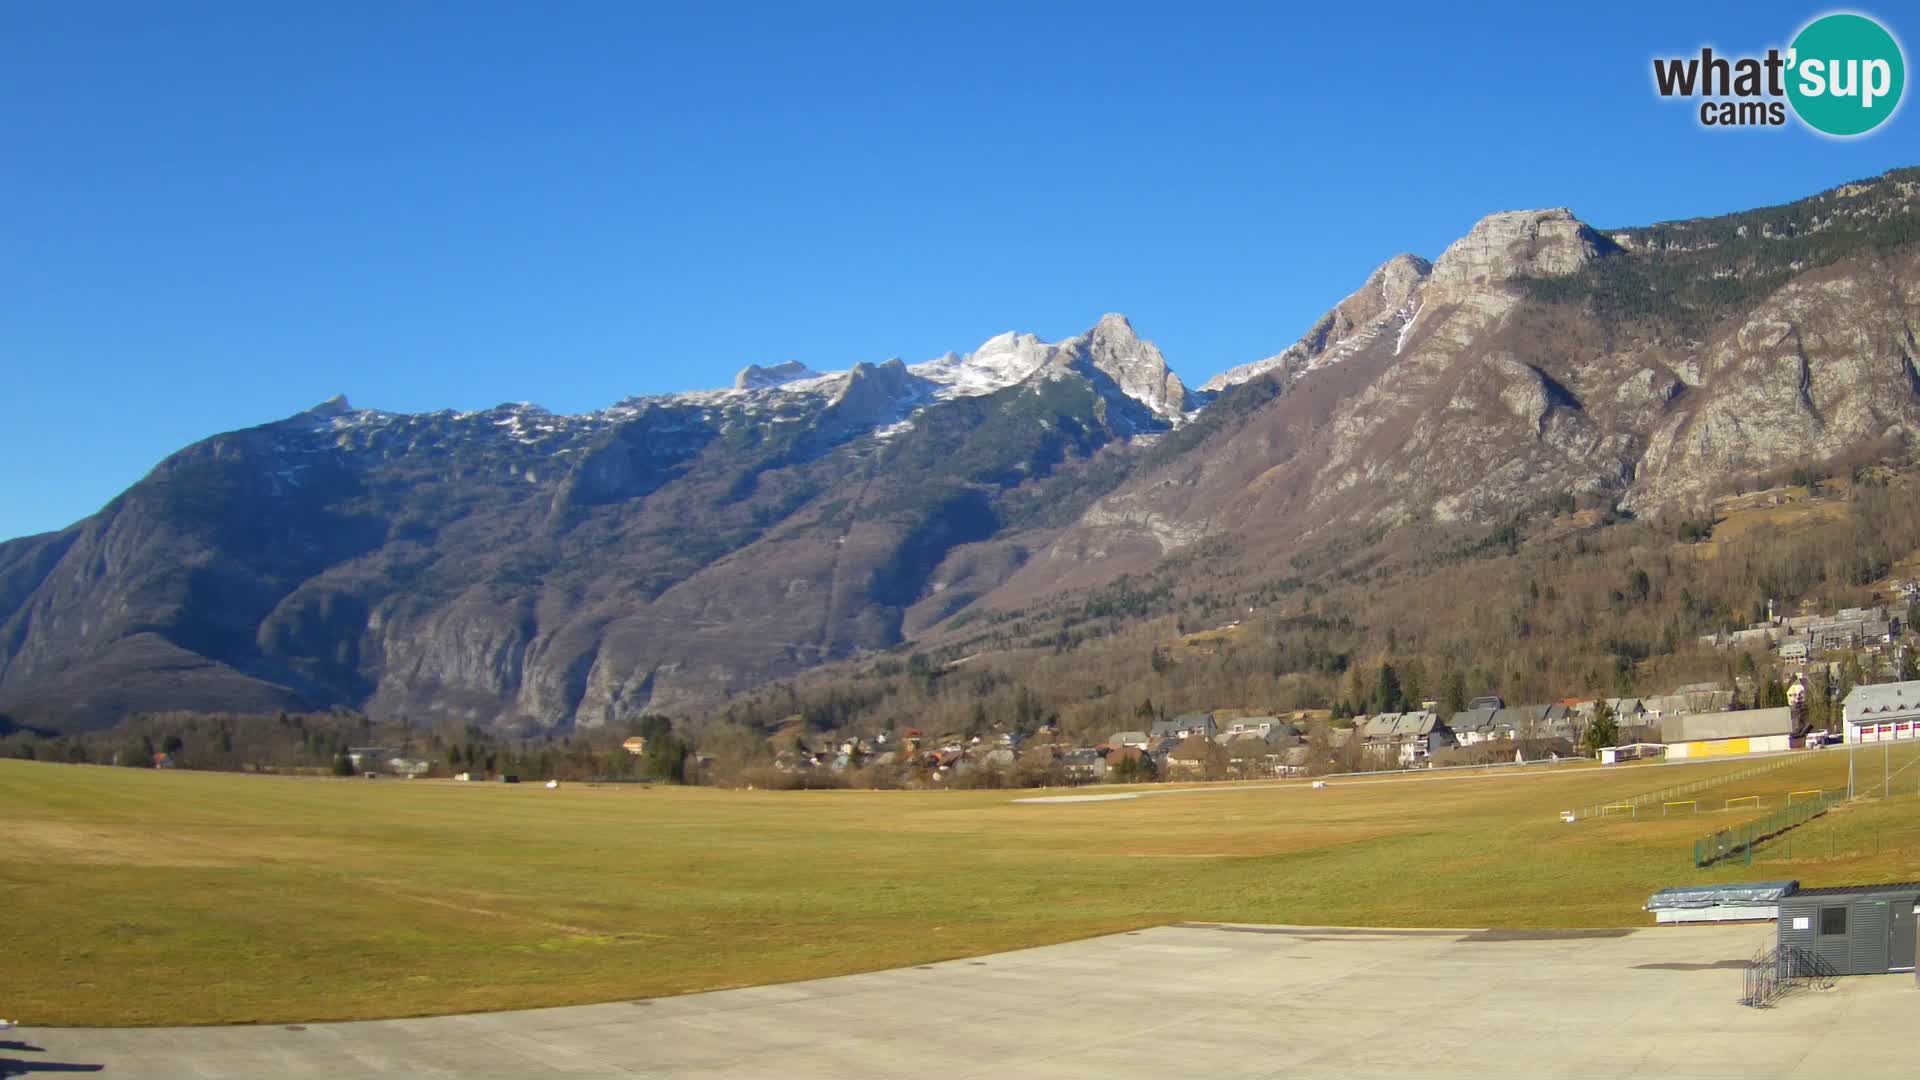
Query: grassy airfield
{"type": "Point", "coordinates": [142, 897]}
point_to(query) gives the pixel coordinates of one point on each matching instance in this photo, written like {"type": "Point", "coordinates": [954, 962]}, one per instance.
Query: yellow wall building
{"type": "Point", "coordinates": [1727, 734]}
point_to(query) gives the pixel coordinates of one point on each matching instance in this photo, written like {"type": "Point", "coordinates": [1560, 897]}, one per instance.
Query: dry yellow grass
{"type": "Point", "coordinates": [1735, 519]}
{"type": "Point", "coordinates": [150, 897]}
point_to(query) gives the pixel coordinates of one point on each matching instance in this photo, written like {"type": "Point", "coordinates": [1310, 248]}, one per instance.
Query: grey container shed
{"type": "Point", "coordinates": [1854, 929]}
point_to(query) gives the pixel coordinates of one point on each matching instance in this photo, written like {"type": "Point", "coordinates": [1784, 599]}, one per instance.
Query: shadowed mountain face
{"type": "Point", "coordinates": [519, 568]}
{"type": "Point", "coordinates": [512, 566]}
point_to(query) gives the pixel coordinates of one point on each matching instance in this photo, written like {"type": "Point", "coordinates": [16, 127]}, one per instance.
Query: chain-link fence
{"type": "Point", "coordinates": [1738, 842]}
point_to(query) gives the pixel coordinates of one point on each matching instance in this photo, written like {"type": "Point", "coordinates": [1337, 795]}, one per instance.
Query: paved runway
{"type": "Point", "coordinates": [1190, 1000]}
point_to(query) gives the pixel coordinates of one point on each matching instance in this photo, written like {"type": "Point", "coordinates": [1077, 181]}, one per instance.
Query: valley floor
{"type": "Point", "coordinates": [144, 897]}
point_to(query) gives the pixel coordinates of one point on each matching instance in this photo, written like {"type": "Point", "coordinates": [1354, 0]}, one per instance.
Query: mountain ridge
{"type": "Point", "coordinates": [521, 568]}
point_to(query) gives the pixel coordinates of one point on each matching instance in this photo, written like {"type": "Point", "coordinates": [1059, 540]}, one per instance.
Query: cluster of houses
{"type": "Point", "coordinates": [1251, 745]}
{"type": "Point", "coordinates": [1804, 637]}
{"type": "Point", "coordinates": [946, 757]}
{"type": "Point", "coordinates": [1692, 721]}
{"type": "Point", "coordinates": [1238, 744]}
{"type": "Point", "coordinates": [1247, 745]}
{"type": "Point", "coordinates": [1275, 746]}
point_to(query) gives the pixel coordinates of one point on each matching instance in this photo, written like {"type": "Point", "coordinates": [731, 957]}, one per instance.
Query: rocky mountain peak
{"type": "Point", "coordinates": [873, 395]}
{"type": "Point", "coordinates": [756, 377]}
{"type": "Point", "coordinates": [1382, 307]}
{"type": "Point", "coordinates": [1399, 277]}
{"type": "Point", "coordinates": [335, 412]}
{"type": "Point", "coordinates": [1137, 367]}
{"type": "Point", "coordinates": [1519, 243]}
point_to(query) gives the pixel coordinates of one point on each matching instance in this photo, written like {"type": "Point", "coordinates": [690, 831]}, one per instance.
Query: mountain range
{"type": "Point", "coordinates": [532, 571]}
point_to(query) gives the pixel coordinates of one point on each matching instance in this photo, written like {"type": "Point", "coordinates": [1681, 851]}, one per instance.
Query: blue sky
{"type": "Point", "coordinates": [220, 214]}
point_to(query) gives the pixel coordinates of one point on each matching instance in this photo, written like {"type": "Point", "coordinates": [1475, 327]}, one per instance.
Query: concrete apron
{"type": "Point", "coordinates": [1189, 999]}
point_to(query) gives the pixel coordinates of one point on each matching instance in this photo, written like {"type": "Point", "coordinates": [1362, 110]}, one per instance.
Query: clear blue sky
{"type": "Point", "coordinates": [219, 214]}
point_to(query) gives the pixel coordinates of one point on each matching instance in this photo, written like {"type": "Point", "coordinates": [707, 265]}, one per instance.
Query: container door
{"type": "Point", "coordinates": [1900, 943]}
{"type": "Point", "coordinates": [1871, 934]}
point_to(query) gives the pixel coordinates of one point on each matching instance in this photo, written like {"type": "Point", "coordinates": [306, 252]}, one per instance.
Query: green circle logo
{"type": "Point", "coordinates": [1846, 74]}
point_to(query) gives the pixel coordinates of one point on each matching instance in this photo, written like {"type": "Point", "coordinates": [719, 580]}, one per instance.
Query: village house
{"type": "Point", "coordinates": [1083, 765]}
{"type": "Point", "coordinates": [1190, 758]}
{"type": "Point", "coordinates": [1193, 723]}
{"type": "Point", "coordinates": [1250, 755]}
{"type": "Point", "coordinates": [1409, 738]}
{"type": "Point", "coordinates": [1260, 754]}
{"type": "Point", "coordinates": [1135, 739]}
{"type": "Point", "coordinates": [1262, 726]}
{"type": "Point", "coordinates": [1532, 723]}
{"type": "Point", "coordinates": [1473, 726]}
{"type": "Point", "coordinates": [1628, 712]}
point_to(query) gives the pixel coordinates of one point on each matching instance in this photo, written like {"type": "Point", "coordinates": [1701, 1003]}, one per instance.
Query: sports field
{"type": "Point", "coordinates": [140, 897]}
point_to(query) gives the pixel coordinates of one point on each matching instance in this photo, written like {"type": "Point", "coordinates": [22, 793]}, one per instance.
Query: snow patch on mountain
{"type": "Point", "coordinates": [1388, 301]}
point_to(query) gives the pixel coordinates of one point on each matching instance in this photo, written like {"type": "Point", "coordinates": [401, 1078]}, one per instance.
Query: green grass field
{"type": "Point", "coordinates": [139, 897]}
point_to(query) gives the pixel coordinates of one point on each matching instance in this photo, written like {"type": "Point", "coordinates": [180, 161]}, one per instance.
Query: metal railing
{"type": "Point", "coordinates": [1774, 973]}
{"type": "Point", "coordinates": [1633, 804]}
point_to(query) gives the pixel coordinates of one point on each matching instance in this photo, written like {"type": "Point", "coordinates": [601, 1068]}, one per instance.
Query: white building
{"type": "Point", "coordinates": [1882, 712]}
